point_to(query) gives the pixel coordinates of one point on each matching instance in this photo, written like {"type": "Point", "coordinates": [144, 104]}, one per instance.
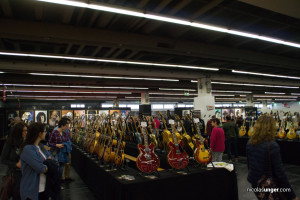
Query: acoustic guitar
{"type": "Point", "coordinates": [147, 161]}
{"type": "Point", "coordinates": [177, 157]}
{"type": "Point", "coordinates": [187, 140]}
{"type": "Point", "coordinates": [242, 131]}
{"type": "Point", "coordinates": [201, 154]}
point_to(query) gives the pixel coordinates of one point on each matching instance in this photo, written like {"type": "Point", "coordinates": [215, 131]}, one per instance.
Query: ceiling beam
{"type": "Point", "coordinates": [35, 31]}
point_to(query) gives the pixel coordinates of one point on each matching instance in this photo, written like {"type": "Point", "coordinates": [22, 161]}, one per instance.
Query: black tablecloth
{"type": "Point", "coordinates": [290, 150]}
{"type": "Point", "coordinates": [198, 184]}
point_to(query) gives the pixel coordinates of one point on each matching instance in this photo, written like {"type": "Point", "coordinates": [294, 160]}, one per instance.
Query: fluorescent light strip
{"type": "Point", "coordinates": [177, 89]}
{"type": "Point", "coordinates": [262, 74]}
{"type": "Point", "coordinates": [285, 99]}
{"type": "Point", "coordinates": [143, 14]}
{"type": "Point", "coordinates": [36, 91]}
{"type": "Point", "coordinates": [106, 61]}
{"type": "Point", "coordinates": [295, 93]}
{"type": "Point", "coordinates": [231, 91]}
{"type": "Point", "coordinates": [265, 99]}
{"type": "Point", "coordinates": [275, 96]}
{"type": "Point", "coordinates": [106, 77]}
{"type": "Point", "coordinates": [229, 98]}
{"type": "Point", "coordinates": [224, 95]}
{"type": "Point", "coordinates": [63, 96]}
{"type": "Point", "coordinates": [171, 94]}
{"type": "Point", "coordinates": [77, 86]}
{"type": "Point", "coordinates": [274, 93]}
{"type": "Point", "coordinates": [256, 85]}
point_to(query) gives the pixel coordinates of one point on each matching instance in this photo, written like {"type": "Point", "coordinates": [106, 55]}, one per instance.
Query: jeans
{"type": "Point", "coordinates": [231, 142]}
{"type": "Point", "coordinates": [61, 165]}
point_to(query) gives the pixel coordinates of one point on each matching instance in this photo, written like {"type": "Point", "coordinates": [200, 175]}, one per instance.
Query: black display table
{"type": "Point", "coordinates": [199, 183]}
{"type": "Point", "coordinates": [290, 150]}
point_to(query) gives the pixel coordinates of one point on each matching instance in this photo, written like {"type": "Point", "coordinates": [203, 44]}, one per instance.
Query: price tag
{"type": "Point", "coordinates": [171, 121]}
{"type": "Point", "coordinates": [144, 124]}
{"type": "Point", "coordinates": [196, 120]}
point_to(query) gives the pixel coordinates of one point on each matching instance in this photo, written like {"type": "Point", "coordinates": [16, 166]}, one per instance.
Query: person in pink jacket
{"type": "Point", "coordinates": [217, 141]}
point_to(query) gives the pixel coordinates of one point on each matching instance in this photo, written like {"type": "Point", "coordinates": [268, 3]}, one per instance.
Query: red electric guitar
{"type": "Point", "coordinates": [147, 161]}
{"type": "Point", "coordinates": [177, 157]}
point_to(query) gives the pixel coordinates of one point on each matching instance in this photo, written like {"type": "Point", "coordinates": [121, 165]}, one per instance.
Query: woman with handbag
{"type": "Point", "coordinates": [33, 155]}
{"type": "Point", "coordinates": [264, 162]}
{"type": "Point", "coordinates": [11, 157]}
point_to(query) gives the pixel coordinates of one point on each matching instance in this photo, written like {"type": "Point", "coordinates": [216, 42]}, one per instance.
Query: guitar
{"type": "Point", "coordinates": [277, 121]}
{"type": "Point", "coordinates": [137, 135]}
{"type": "Point", "coordinates": [109, 155]}
{"type": "Point", "coordinates": [147, 161]}
{"type": "Point", "coordinates": [167, 135]}
{"type": "Point", "coordinates": [177, 157]}
{"type": "Point", "coordinates": [119, 157]}
{"type": "Point", "coordinates": [187, 140]}
{"type": "Point", "coordinates": [292, 133]}
{"type": "Point", "coordinates": [251, 129]}
{"type": "Point", "coordinates": [152, 136]}
{"type": "Point", "coordinates": [281, 133]}
{"type": "Point", "coordinates": [242, 131]}
{"type": "Point", "coordinates": [159, 137]}
{"type": "Point", "coordinates": [105, 138]}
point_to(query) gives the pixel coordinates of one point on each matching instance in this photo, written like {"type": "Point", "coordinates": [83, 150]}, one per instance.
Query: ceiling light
{"type": "Point", "coordinates": [171, 94]}
{"type": "Point", "coordinates": [106, 61]}
{"type": "Point", "coordinates": [177, 89]}
{"type": "Point", "coordinates": [143, 14]}
{"type": "Point", "coordinates": [286, 96]}
{"type": "Point", "coordinates": [274, 93]}
{"type": "Point", "coordinates": [265, 99]}
{"type": "Point", "coordinates": [285, 99]}
{"type": "Point", "coordinates": [231, 91]}
{"type": "Point", "coordinates": [256, 85]}
{"type": "Point", "coordinates": [63, 96]}
{"type": "Point", "coordinates": [295, 93]}
{"type": "Point", "coordinates": [224, 95]}
{"type": "Point", "coordinates": [262, 74]}
{"type": "Point", "coordinates": [76, 86]}
{"type": "Point", "coordinates": [45, 91]}
{"type": "Point", "coordinates": [106, 77]}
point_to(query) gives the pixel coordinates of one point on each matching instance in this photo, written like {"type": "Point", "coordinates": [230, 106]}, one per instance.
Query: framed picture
{"type": "Point", "coordinates": [27, 116]}
{"type": "Point", "coordinates": [185, 112]}
{"type": "Point", "coordinates": [67, 113]}
{"type": "Point", "coordinates": [79, 113]}
{"type": "Point", "coordinates": [54, 117]}
{"type": "Point", "coordinates": [11, 114]}
{"type": "Point", "coordinates": [103, 112]}
{"type": "Point", "coordinates": [218, 113]}
{"type": "Point", "coordinates": [238, 112]}
{"type": "Point", "coordinates": [231, 113]}
{"type": "Point", "coordinates": [116, 113]}
{"type": "Point", "coordinates": [41, 116]}
{"type": "Point", "coordinates": [225, 112]}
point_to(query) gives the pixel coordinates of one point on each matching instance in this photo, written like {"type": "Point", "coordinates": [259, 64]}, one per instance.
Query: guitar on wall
{"type": "Point", "coordinates": [242, 131]}
{"type": "Point", "coordinates": [147, 161]}
{"type": "Point", "coordinates": [177, 157]}
{"type": "Point", "coordinates": [202, 155]}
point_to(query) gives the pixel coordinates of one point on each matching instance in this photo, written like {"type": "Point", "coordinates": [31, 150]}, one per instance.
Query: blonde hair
{"type": "Point", "coordinates": [264, 130]}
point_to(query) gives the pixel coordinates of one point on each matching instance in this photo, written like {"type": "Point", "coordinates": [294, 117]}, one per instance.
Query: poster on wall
{"type": "Point", "coordinates": [125, 112]}
{"type": "Point", "coordinates": [238, 112]}
{"type": "Point", "coordinates": [27, 116]}
{"type": "Point", "coordinates": [67, 113]}
{"type": "Point", "coordinates": [41, 116]}
{"type": "Point", "coordinates": [231, 113]}
{"type": "Point", "coordinates": [103, 112]}
{"type": "Point", "coordinates": [185, 112]}
{"type": "Point", "coordinates": [11, 114]}
{"type": "Point", "coordinates": [81, 115]}
{"type": "Point", "coordinates": [225, 112]}
{"type": "Point", "coordinates": [218, 113]}
{"type": "Point", "coordinates": [91, 113]}
{"type": "Point", "coordinates": [54, 117]}
{"type": "Point", "coordinates": [116, 113]}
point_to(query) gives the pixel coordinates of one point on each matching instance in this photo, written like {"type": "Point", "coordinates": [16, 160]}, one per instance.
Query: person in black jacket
{"type": "Point", "coordinates": [11, 155]}
{"type": "Point", "coordinates": [264, 156]}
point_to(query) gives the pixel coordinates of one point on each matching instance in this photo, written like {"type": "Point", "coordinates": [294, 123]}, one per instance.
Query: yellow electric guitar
{"type": "Point", "coordinates": [292, 133]}
{"type": "Point", "coordinates": [242, 131]}
{"type": "Point", "coordinates": [187, 140]}
{"type": "Point", "coordinates": [251, 129]}
{"type": "Point", "coordinates": [281, 133]}
{"type": "Point", "coordinates": [167, 135]}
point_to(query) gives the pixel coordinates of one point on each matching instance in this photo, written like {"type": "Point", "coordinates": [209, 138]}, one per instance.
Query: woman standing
{"type": "Point", "coordinates": [11, 155]}
{"type": "Point", "coordinates": [264, 158]}
{"type": "Point", "coordinates": [33, 154]}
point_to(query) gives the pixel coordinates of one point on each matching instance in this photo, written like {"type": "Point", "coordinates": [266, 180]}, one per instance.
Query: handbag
{"type": "Point", "coordinates": [268, 184]}
{"type": "Point", "coordinates": [7, 186]}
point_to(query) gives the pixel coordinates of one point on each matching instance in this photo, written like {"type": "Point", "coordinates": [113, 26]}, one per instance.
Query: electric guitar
{"type": "Point", "coordinates": [119, 156]}
{"type": "Point", "coordinates": [242, 131]}
{"type": "Point", "coordinates": [147, 161]}
{"type": "Point", "coordinates": [137, 135]}
{"type": "Point", "coordinates": [292, 133]}
{"type": "Point", "coordinates": [201, 154]}
{"type": "Point", "coordinates": [281, 133]}
{"type": "Point", "coordinates": [251, 129]}
{"type": "Point", "coordinates": [108, 153]}
{"type": "Point", "coordinates": [152, 136]}
{"type": "Point", "coordinates": [167, 135]}
{"type": "Point", "coordinates": [177, 157]}
{"type": "Point", "coordinates": [187, 140]}
{"type": "Point", "coordinates": [159, 136]}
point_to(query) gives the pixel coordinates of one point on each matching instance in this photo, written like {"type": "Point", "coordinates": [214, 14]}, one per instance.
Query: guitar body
{"type": "Point", "coordinates": [177, 158]}
{"type": "Point", "coordinates": [147, 161]}
{"type": "Point", "coordinates": [107, 154]}
{"type": "Point", "coordinates": [291, 134]}
{"type": "Point", "coordinates": [202, 156]}
{"type": "Point", "coordinates": [167, 136]}
{"type": "Point", "coordinates": [242, 131]}
{"type": "Point", "coordinates": [138, 137]}
{"type": "Point", "coordinates": [119, 159]}
{"type": "Point", "coordinates": [281, 134]}
{"type": "Point", "coordinates": [250, 132]}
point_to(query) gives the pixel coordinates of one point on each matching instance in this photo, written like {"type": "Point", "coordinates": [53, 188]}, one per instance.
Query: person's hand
{"type": "Point", "coordinates": [18, 165]}
{"type": "Point", "coordinates": [60, 146]}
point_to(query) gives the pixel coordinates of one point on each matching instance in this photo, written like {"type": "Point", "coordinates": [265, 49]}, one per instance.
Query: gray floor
{"type": "Point", "coordinates": [78, 190]}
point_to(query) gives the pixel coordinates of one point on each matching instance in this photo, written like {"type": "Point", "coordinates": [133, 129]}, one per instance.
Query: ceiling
{"type": "Point", "coordinates": [33, 27]}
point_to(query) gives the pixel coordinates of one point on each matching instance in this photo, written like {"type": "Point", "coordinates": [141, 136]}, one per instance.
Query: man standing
{"type": "Point", "coordinates": [231, 134]}
{"type": "Point", "coordinates": [217, 141]}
